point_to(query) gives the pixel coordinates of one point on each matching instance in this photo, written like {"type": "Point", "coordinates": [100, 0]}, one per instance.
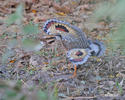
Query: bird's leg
{"type": "Point", "coordinates": [75, 72]}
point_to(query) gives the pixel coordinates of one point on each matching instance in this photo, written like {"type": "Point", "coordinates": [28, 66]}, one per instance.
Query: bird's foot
{"type": "Point", "coordinates": [75, 72]}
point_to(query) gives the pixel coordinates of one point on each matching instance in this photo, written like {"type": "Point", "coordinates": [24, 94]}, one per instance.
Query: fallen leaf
{"type": "Point", "coordinates": [12, 61]}
{"type": "Point", "coordinates": [61, 13]}
{"type": "Point", "coordinates": [74, 2]}
{"type": "Point", "coordinates": [45, 63]}
{"type": "Point", "coordinates": [34, 11]}
{"type": "Point", "coordinates": [4, 10]}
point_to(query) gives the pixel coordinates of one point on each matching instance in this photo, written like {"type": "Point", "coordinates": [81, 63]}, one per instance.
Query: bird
{"type": "Point", "coordinates": [79, 47]}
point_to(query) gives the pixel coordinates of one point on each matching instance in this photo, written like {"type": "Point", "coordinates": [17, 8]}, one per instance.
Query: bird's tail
{"type": "Point", "coordinates": [97, 47]}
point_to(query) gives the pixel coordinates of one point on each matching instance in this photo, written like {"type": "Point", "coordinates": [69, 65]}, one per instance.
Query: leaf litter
{"type": "Point", "coordinates": [45, 70]}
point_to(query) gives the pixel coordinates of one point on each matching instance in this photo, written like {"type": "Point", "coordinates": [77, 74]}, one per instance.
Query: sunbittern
{"type": "Point", "coordinates": [79, 48]}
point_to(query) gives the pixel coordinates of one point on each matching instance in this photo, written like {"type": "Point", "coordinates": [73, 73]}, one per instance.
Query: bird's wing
{"type": "Point", "coordinates": [72, 36]}
{"type": "Point", "coordinates": [78, 56]}
{"type": "Point", "coordinates": [68, 32]}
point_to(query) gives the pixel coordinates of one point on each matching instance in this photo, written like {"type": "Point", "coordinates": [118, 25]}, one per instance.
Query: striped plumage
{"type": "Point", "coordinates": [75, 40]}
{"type": "Point", "coordinates": [71, 36]}
{"type": "Point", "coordinates": [78, 56]}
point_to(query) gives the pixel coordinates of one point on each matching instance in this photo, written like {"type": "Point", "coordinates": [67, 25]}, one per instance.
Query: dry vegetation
{"type": "Point", "coordinates": [29, 71]}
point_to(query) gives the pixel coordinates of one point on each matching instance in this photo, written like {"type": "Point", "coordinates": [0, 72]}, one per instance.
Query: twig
{"type": "Point", "coordinates": [122, 56]}
{"type": "Point", "coordinates": [81, 97]}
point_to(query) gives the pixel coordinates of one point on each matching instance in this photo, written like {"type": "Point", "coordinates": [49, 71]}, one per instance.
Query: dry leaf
{"type": "Point", "coordinates": [34, 11]}
{"type": "Point", "coordinates": [61, 13]}
{"type": "Point", "coordinates": [12, 61]}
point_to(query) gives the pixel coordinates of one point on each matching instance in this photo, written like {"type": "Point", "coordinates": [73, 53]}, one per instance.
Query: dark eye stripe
{"type": "Point", "coordinates": [50, 42]}
{"type": "Point", "coordinates": [49, 38]}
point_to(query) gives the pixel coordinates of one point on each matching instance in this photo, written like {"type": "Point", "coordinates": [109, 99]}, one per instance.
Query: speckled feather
{"type": "Point", "coordinates": [98, 47]}
{"type": "Point", "coordinates": [72, 36]}
{"type": "Point", "coordinates": [78, 59]}
{"type": "Point", "coordinates": [74, 39]}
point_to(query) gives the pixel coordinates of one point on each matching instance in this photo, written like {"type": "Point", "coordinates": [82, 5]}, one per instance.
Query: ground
{"type": "Point", "coordinates": [46, 73]}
